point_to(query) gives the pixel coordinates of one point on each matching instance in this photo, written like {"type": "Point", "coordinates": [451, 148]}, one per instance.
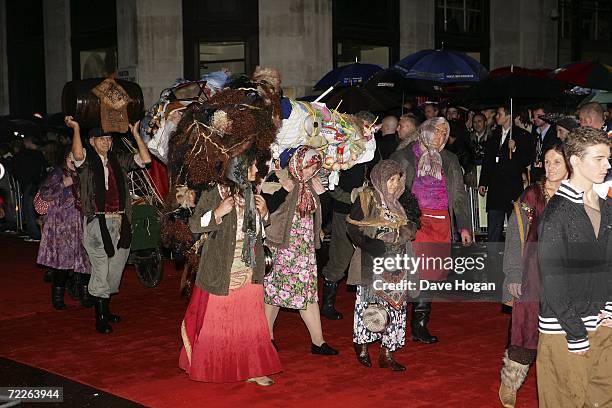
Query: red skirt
{"type": "Point", "coordinates": [433, 241]}
{"type": "Point", "coordinates": [226, 338]}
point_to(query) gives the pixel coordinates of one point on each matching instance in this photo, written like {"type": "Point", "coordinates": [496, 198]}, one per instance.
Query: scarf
{"type": "Point", "coordinates": [430, 163]}
{"type": "Point", "coordinates": [304, 157]}
{"type": "Point", "coordinates": [238, 173]}
{"type": "Point", "coordinates": [381, 173]}
{"type": "Point", "coordinates": [125, 235]}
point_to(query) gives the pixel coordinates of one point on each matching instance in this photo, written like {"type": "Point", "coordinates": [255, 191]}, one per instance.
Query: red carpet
{"type": "Point", "coordinates": [139, 361]}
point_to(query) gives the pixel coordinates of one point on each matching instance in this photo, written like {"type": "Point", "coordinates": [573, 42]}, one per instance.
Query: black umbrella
{"type": "Point", "coordinates": [348, 75]}
{"type": "Point", "coordinates": [513, 86]}
{"type": "Point", "coordinates": [392, 82]}
{"type": "Point", "coordinates": [354, 99]}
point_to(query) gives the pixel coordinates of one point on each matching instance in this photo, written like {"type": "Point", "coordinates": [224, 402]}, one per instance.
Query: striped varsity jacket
{"type": "Point", "coordinates": [576, 278]}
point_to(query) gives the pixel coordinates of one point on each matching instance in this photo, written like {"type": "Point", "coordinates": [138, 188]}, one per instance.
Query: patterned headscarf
{"type": "Point", "coordinates": [430, 163]}
{"type": "Point", "coordinates": [381, 173]}
{"type": "Point", "coordinates": [237, 172]}
{"type": "Point", "coordinates": [302, 158]}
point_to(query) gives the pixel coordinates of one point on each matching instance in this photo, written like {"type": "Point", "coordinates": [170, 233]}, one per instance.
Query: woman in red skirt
{"type": "Point", "coordinates": [225, 332]}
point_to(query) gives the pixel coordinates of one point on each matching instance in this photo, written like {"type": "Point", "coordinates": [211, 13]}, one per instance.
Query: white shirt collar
{"type": "Point", "coordinates": [542, 131]}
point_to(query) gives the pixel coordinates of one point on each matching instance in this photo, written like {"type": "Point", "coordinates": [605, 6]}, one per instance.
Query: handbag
{"type": "Point", "coordinates": [41, 206]}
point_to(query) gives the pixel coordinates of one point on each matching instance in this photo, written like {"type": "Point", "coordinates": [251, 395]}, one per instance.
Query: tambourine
{"type": "Point", "coordinates": [375, 318]}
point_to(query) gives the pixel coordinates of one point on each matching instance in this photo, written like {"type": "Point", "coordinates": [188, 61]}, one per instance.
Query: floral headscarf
{"type": "Point", "coordinates": [302, 158]}
{"type": "Point", "coordinates": [430, 163]}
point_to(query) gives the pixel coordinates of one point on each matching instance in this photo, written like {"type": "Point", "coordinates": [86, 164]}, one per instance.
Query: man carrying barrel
{"type": "Point", "coordinates": [106, 206]}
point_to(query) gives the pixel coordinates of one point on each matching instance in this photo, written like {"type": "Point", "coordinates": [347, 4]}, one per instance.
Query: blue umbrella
{"type": "Point", "coordinates": [348, 75]}
{"type": "Point", "coordinates": [441, 66]}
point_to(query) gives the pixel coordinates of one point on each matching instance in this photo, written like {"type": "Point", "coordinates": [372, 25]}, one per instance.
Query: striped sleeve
{"type": "Point", "coordinates": [579, 345]}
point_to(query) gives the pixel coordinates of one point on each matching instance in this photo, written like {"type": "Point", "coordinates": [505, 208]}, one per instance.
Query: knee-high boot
{"type": "Point", "coordinates": [112, 318]}
{"type": "Point", "coordinates": [421, 309]}
{"type": "Point", "coordinates": [328, 302]}
{"type": "Point", "coordinates": [102, 323]}
{"type": "Point", "coordinates": [58, 288]}
{"type": "Point", "coordinates": [86, 299]}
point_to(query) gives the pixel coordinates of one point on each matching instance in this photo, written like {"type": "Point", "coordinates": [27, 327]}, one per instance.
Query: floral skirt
{"type": "Point", "coordinates": [293, 280]}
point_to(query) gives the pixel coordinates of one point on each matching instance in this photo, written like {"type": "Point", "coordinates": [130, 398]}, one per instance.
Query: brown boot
{"type": "Point", "coordinates": [385, 360]}
{"type": "Point", "coordinates": [513, 375]}
{"type": "Point", "coordinates": [363, 356]}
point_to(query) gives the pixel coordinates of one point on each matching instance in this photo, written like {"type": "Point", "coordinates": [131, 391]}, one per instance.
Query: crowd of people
{"type": "Point", "coordinates": [540, 178]}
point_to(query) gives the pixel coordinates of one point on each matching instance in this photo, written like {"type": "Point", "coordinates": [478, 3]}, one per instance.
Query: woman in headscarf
{"type": "Point", "coordinates": [379, 228]}
{"type": "Point", "coordinates": [225, 333]}
{"type": "Point", "coordinates": [293, 236]}
{"type": "Point", "coordinates": [434, 176]}
{"type": "Point", "coordinates": [522, 282]}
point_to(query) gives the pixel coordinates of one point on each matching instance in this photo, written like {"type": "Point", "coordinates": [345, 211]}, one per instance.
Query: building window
{"type": "Point", "coordinates": [365, 32]}
{"type": "Point", "coordinates": [349, 52]}
{"type": "Point", "coordinates": [217, 55]}
{"type": "Point", "coordinates": [459, 16]}
{"type": "Point", "coordinates": [220, 34]}
{"type": "Point", "coordinates": [594, 19]}
{"type": "Point", "coordinates": [98, 63]}
{"type": "Point", "coordinates": [463, 25]}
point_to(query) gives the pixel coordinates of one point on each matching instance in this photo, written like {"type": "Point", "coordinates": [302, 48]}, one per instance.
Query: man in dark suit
{"type": "Point", "coordinates": [507, 154]}
{"type": "Point", "coordinates": [543, 135]}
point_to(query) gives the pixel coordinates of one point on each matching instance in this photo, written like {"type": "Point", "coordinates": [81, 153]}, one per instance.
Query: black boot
{"type": "Point", "coordinates": [329, 300]}
{"type": "Point", "coordinates": [418, 323]}
{"type": "Point", "coordinates": [86, 299]}
{"type": "Point", "coordinates": [112, 318]}
{"type": "Point", "coordinates": [58, 288]}
{"type": "Point", "coordinates": [363, 356]}
{"type": "Point", "coordinates": [102, 324]}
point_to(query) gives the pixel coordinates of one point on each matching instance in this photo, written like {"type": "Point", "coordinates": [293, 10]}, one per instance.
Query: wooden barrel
{"type": "Point", "coordinates": [80, 102]}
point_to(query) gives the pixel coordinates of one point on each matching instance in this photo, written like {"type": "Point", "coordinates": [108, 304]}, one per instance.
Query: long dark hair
{"type": "Point", "coordinates": [558, 147]}
{"type": "Point", "coordinates": [247, 158]}
{"type": "Point", "coordinates": [534, 194]}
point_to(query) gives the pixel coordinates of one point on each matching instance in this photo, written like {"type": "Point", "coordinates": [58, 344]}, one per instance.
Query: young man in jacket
{"type": "Point", "coordinates": [575, 321]}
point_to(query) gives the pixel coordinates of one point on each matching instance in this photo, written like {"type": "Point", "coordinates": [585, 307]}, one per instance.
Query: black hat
{"type": "Point", "coordinates": [568, 123]}
{"type": "Point", "coordinates": [98, 132]}
{"type": "Point", "coordinates": [564, 121]}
